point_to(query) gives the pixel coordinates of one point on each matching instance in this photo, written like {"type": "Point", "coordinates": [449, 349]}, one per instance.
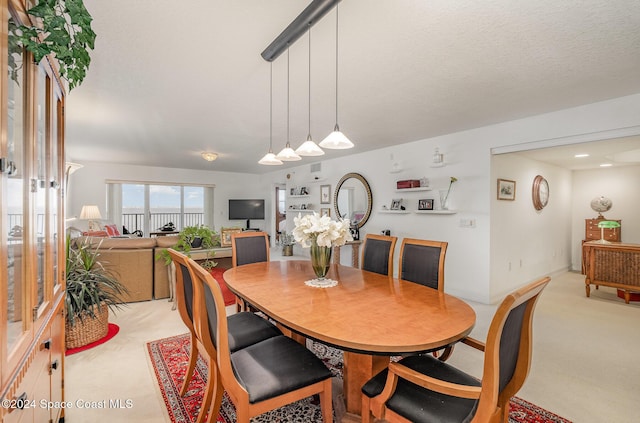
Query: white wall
{"type": "Point", "coordinates": [470, 270]}
{"type": "Point", "coordinates": [524, 241]}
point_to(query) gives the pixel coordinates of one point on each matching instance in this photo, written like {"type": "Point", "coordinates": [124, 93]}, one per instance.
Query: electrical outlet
{"type": "Point", "coordinates": [467, 223]}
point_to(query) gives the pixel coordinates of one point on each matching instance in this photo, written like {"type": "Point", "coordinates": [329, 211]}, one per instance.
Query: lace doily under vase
{"type": "Point", "coordinates": [321, 283]}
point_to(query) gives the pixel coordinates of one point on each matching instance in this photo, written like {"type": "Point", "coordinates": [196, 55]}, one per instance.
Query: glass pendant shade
{"type": "Point", "coordinates": [287, 154]}
{"type": "Point", "coordinates": [336, 140]}
{"type": "Point", "coordinates": [309, 148]}
{"type": "Point", "coordinates": [270, 159]}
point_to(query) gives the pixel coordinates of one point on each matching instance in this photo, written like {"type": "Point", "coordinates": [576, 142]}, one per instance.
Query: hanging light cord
{"type": "Point", "coordinates": [270, 107]}
{"type": "Point", "coordinates": [336, 64]}
{"type": "Point", "coordinates": [287, 97]}
{"type": "Point", "coordinates": [309, 79]}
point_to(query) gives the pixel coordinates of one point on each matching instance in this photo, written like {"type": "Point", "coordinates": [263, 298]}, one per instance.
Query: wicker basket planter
{"type": "Point", "coordinates": [88, 329]}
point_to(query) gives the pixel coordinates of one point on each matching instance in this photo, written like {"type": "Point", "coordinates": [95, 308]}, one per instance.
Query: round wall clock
{"type": "Point", "coordinates": [540, 192]}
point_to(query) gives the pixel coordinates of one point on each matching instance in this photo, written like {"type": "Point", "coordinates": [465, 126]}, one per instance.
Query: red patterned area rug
{"type": "Point", "coordinates": [169, 357]}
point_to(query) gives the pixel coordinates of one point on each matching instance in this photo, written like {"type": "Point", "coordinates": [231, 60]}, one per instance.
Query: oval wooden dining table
{"type": "Point", "coordinates": [369, 316]}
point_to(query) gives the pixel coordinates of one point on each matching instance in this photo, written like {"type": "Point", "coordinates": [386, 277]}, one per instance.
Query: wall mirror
{"type": "Point", "coordinates": [352, 199]}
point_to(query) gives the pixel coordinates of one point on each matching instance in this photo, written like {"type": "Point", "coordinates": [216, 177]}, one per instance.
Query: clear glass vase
{"type": "Point", "coordinates": [444, 200]}
{"type": "Point", "coordinates": [320, 259]}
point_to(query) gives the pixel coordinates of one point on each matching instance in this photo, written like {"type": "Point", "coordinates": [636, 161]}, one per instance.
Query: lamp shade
{"type": "Point", "coordinates": [287, 154]}
{"type": "Point", "coordinates": [309, 148]}
{"type": "Point", "coordinates": [90, 212]}
{"type": "Point", "coordinates": [270, 159]}
{"type": "Point", "coordinates": [336, 140]}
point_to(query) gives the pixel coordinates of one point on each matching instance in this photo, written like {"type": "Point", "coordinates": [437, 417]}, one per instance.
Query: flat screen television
{"type": "Point", "coordinates": [246, 210]}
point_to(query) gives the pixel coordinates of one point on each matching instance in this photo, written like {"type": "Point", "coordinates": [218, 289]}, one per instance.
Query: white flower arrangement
{"type": "Point", "coordinates": [326, 232]}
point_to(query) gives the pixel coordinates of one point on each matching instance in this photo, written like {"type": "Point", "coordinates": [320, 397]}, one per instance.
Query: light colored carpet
{"type": "Point", "coordinates": [584, 358]}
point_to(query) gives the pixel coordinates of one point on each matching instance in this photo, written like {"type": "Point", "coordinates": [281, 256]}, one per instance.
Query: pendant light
{"type": "Point", "coordinates": [287, 154]}
{"type": "Point", "coordinates": [309, 148]}
{"type": "Point", "coordinates": [270, 159]}
{"type": "Point", "coordinates": [336, 140]}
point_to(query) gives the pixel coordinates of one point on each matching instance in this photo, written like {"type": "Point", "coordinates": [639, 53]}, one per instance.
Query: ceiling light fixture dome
{"type": "Point", "coordinates": [208, 156]}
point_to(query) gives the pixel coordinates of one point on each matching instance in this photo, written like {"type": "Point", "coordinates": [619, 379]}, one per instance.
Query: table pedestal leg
{"type": "Point", "coordinates": [358, 369]}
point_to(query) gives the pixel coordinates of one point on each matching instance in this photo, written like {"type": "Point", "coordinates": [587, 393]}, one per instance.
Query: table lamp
{"type": "Point", "coordinates": [606, 224]}
{"type": "Point", "coordinates": [92, 214]}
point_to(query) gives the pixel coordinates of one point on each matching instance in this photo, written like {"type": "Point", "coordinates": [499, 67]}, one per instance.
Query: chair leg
{"type": "Point", "coordinates": [325, 402]}
{"type": "Point", "coordinates": [214, 410]}
{"type": "Point", "coordinates": [209, 390]}
{"type": "Point", "coordinates": [193, 358]}
{"type": "Point", "coordinates": [242, 413]}
{"type": "Point", "coordinates": [366, 409]}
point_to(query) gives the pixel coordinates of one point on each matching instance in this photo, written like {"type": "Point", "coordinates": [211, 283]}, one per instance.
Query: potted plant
{"type": "Point", "coordinates": [91, 290]}
{"type": "Point", "coordinates": [287, 241]}
{"type": "Point", "coordinates": [199, 236]}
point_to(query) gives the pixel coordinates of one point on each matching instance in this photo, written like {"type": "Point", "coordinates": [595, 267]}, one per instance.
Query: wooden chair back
{"type": "Point", "coordinates": [184, 299]}
{"type": "Point", "coordinates": [422, 261]}
{"type": "Point", "coordinates": [508, 350]}
{"type": "Point", "coordinates": [377, 254]}
{"type": "Point", "coordinates": [249, 247]}
{"type": "Point", "coordinates": [212, 327]}
{"type": "Point", "coordinates": [507, 358]}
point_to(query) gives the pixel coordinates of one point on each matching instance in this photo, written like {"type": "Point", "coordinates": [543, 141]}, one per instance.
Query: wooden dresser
{"type": "Point", "coordinates": [592, 232]}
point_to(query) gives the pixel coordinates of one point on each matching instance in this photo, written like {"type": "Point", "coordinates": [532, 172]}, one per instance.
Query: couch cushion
{"type": "Point", "coordinates": [166, 241]}
{"type": "Point", "coordinates": [118, 243]}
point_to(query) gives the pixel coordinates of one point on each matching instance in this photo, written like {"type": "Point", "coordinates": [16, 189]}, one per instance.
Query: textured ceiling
{"type": "Point", "coordinates": [170, 79]}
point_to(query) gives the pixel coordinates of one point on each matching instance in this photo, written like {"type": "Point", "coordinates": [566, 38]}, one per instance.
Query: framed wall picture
{"type": "Point", "coordinates": [396, 203]}
{"type": "Point", "coordinates": [426, 204]}
{"type": "Point", "coordinates": [225, 236]}
{"type": "Point", "coordinates": [506, 189]}
{"type": "Point", "coordinates": [325, 211]}
{"type": "Point", "coordinates": [325, 194]}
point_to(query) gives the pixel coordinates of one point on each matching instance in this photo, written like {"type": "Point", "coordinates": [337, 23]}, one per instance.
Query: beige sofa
{"type": "Point", "coordinates": [133, 261]}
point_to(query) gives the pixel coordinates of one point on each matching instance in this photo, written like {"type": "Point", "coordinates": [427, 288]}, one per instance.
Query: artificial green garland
{"type": "Point", "coordinates": [63, 29]}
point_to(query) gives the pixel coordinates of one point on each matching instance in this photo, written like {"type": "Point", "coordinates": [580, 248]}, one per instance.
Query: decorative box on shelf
{"type": "Point", "coordinates": [408, 183]}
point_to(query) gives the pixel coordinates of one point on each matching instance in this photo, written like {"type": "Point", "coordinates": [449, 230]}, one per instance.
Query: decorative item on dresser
{"type": "Point", "coordinates": [594, 233]}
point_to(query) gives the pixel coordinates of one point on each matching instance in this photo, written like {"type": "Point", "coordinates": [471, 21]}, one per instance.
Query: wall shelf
{"type": "Point", "coordinates": [435, 211]}
{"type": "Point", "coordinates": [299, 196]}
{"type": "Point", "coordinates": [302, 210]}
{"type": "Point", "coordinates": [394, 211]}
{"type": "Point", "coordinates": [413, 189]}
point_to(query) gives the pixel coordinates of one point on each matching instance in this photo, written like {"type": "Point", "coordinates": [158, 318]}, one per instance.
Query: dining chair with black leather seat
{"type": "Point", "coordinates": [377, 254]}
{"type": "Point", "coordinates": [249, 247]}
{"type": "Point", "coordinates": [261, 377]}
{"type": "Point", "coordinates": [422, 261]}
{"type": "Point", "coordinates": [421, 388]}
{"type": "Point", "coordinates": [244, 328]}
{"type": "Point", "coordinates": [246, 248]}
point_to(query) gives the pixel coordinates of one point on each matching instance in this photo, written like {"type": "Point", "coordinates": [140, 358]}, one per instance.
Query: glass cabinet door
{"type": "Point", "coordinates": [15, 193]}
{"type": "Point", "coordinates": [38, 185]}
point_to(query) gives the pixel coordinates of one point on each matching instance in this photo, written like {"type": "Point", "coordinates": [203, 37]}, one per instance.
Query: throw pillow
{"type": "Point", "coordinates": [112, 230]}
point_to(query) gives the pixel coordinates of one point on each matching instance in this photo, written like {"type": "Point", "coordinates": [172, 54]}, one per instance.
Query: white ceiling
{"type": "Point", "coordinates": [170, 79]}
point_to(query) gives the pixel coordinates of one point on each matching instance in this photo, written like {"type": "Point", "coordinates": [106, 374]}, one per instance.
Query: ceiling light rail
{"type": "Point", "coordinates": [301, 24]}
